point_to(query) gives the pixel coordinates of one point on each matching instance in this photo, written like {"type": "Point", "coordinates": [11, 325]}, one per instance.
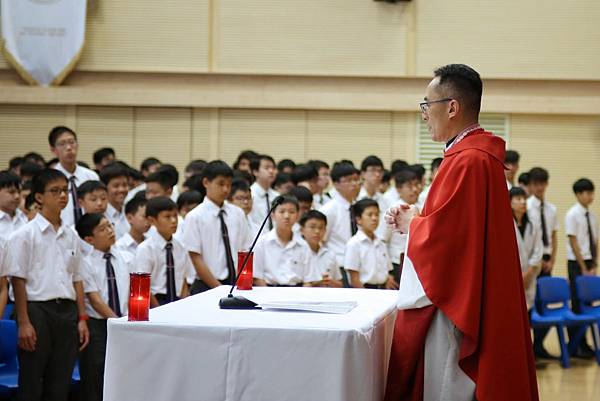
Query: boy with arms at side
{"type": "Point", "coordinates": [162, 255]}
{"type": "Point", "coordinates": [11, 217]}
{"type": "Point", "coordinates": [264, 171]}
{"type": "Point", "coordinates": [44, 264]}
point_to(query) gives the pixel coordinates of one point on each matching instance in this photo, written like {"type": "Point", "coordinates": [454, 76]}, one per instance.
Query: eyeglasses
{"type": "Point", "coordinates": [242, 198]}
{"type": "Point", "coordinates": [62, 144]}
{"type": "Point", "coordinates": [425, 105]}
{"type": "Point", "coordinates": [58, 191]}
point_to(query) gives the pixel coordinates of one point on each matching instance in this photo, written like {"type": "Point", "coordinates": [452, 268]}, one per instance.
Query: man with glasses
{"type": "Point", "coordinates": [63, 143]}
{"type": "Point", "coordinates": [462, 331]}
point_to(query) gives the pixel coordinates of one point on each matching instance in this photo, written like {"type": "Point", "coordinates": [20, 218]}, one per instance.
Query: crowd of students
{"type": "Point", "coordinates": [70, 235]}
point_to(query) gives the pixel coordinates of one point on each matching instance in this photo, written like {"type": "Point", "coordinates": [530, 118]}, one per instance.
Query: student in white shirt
{"type": "Point", "coordinates": [406, 183]}
{"type": "Point", "coordinates": [313, 227]}
{"type": "Point", "coordinates": [366, 256]}
{"type": "Point", "coordinates": [529, 242]}
{"type": "Point", "coordinates": [282, 258]}
{"type": "Point", "coordinates": [435, 166]}
{"type": "Point", "coordinates": [159, 250]}
{"type": "Point", "coordinates": [307, 176]}
{"type": "Point", "coordinates": [283, 183]}
{"type": "Point", "coordinates": [64, 145]}
{"type": "Point", "coordinates": [186, 202]}
{"type": "Point", "coordinates": [135, 211]}
{"type": "Point", "coordinates": [93, 197]}
{"type": "Point", "coordinates": [340, 224]}
{"type": "Point", "coordinates": [148, 166]}
{"type": "Point", "coordinates": [214, 262]}
{"type": "Point", "coordinates": [106, 284]}
{"type": "Point", "coordinates": [419, 170]}
{"type": "Point", "coordinates": [371, 172]}
{"type": "Point", "coordinates": [3, 278]}
{"type": "Point", "coordinates": [305, 203]}
{"type": "Point", "coordinates": [116, 179]}
{"type": "Point", "coordinates": [43, 261]}
{"type": "Point", "coordinates": [158, 184]}
{"type": "Point", "coordinates": [386, 177]}
{"type": "Point", "coordinates": [11, 217]}
{"type": "Point", "coordinates": [511, 160]}
{"type": "Point", "coordinates": [581, 227]}
{"type": "Point", "coordinates": [322, 196]}
{"type": "Point", "coordinates": [264, 171]}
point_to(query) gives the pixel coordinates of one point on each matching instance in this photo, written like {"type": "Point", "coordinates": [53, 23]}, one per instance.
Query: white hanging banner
{"type": "Point", "coordinates": [43, 39]}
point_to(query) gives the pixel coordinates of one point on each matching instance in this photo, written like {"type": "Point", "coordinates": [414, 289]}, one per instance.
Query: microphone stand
{"type": "Point", "coordinates": [239, 302]}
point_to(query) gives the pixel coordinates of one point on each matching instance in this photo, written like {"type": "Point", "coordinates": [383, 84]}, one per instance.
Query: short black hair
{"type": "Point", "coordinates": [102, 153]}
{"type": "Point", "coordinates": [538, 174]}
{"type": "Point", "coordinates": [41, 180]}
{"type": "Point", "coordinates": [404, 176]}
{"type": "Point", "coordinates": [303, 194]}
{"type": "Point", "coordinates": [243, 175]}
{"type": "Point", "coordinates": [435, 163]}
{"type": "Point", "coordinates": [135, 203]}
{"type": "Point", "coordinates": [90, 186]}
{"type": "Point", "coordinates": [419, 170]}
{"type": "Point", "coordinates": [52, 161]}
{"type": "Point", "coordinates": [58, 131]}
{"type": "Point", "coordinates": [359, 207]}
{"type": "Point", "coordinates": [159, 204]}
{"type": "Point", "coordinates": [319, 164]}
{"type": "Point", "coordinates": [255, 162]}
{"type": "Point", "coordinates": [342, 170]}
{"type": "Point", "coordinates": [189, 198]}
{"type": "Point", "coordinates": [149, 162]}
{"type": "Point", "coordinates": [30, 201]}
{"type": "Point", "coordinates": [582, 185]}
{"type": "Point", "coordinates": [386, 176]}
{"type": "Point", "coordinates": [524, 178]}
{"type": "Point", "coordinates": [194, 183]}
{"type": "Point", "coordinates": [135, 174]}
{"type": "Point", "coordinates": [195, 166]}
{"type": "Point", "coordinates": [238, 184]}
{"type": "Point", "coordinates": [30, 168]}
{"type": "Point", "coordinates": [112, 171]}
{"type": "Point", "coordinates": [171, 171]}
{"type": "Point", "coordinates": [161, 178]}
{"type": "Point", "coordinates": [312, 214]}
{"type": "Point", "coordinates": [370, 161]}
{"type": "Point", "coordinates": [463, 83]}
{"type": "Point", "coordinates": [283, 199]}
{"type": "Point", "coordinates": [217, 168]}
{"type": "Point", "coordinates": [83, 164]}
{"type": "Point", "coordinates": [15, 162]}
{"type": "Point", "coordinates": [86, 224]}
{"type": "Point", "coordinates": [286, 163]}
{"type": "Point", "coordinates": [8, 179]}
{"type": "Point", "coordinates": [517, 191]}
{"type": "Point", "coordinates": [282, 178]}
{"type": "Point", "coordinates": [511, 157]}
{"type": "Point", "coordinates": [305, 172]}
{"type": "Point", "coordinates": [398, 165]}
{"type": "Point", "coordinates": [244, 155]}
{"type": "Point", "coordinates": [35, 157]}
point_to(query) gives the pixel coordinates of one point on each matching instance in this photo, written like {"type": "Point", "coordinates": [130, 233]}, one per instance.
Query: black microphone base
{"type": "Point", "coordinates": [231, 302]}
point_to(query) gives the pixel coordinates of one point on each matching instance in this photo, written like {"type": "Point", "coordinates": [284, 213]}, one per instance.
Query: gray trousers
{"type": "Point", "coordinates": [45, 374]}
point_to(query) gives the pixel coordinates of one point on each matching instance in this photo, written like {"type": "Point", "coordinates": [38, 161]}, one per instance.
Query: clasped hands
{"type": "Point", "coordinates": [399, 217]}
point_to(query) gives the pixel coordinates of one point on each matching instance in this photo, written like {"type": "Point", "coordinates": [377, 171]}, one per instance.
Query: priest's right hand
{"type": "Point", "coordinates": [399, 217]}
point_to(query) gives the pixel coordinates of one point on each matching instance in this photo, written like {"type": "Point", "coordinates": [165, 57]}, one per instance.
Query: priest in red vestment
{"type": "Point", "coordinates": [462, 331]}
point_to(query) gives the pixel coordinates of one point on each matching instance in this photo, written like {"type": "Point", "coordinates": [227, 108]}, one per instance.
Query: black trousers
{"type": "Point", "coordinates": [45, 373]}
{"type": "Point", "coordinates": [162, 299]}
{"type": "Point", "coordinates": [91, 361]}
{"type": "Point", "coordinates": [398, 269]}
{"type": "Point", "coordinates": [374, 286]}
{"type": "Point", "coordinates": [575, 271]}
{"type": "Point", "coordinates": [199, 286]}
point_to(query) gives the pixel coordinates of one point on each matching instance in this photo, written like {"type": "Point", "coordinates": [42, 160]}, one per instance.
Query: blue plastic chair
{"type": "Point", "coordinates": [588, 292]}
{"type": "Point", "coordinates": [554, 296]}
{"type": "Point", "coordinates": [9, 368]}
{"type": "Point", "coordinates": [8, 309]}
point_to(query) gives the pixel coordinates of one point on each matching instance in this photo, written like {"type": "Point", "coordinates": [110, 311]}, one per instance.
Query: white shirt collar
{"type": "Point", "coordinates": [342, 199]}
{"type": "Point", "coordinates": [360, 234]}
{"type": "Point", "coordinates": [213, 207]}
{"type": "Point", "coordinates": [273, 237]}
{"type": "Point", "coordinates": [61, 168]}
{"type": "Point", "coordinates": [112, 212]}
{"type": "Point", "coordinates": [581, 208]}
{"type": "Point", "coordinates": [159, 239]}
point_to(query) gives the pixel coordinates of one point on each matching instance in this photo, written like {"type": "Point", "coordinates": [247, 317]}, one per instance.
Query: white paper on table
{"type": "Point", "coordinates": [337, 307]}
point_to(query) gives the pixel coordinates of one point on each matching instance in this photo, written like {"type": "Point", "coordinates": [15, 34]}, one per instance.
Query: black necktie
{"type": "Point", "coordinates": [171, 291]}
{"type": "Point", "coordinates": [268, 210]}
{"type": "Point", "coordinates": [227, 245]}
{"type": "Point", "coordinates": [76, 208]}
{"type": "Point", "coordinates": [544, 232]}
{"type": "Point", "coordinates": [113, 294]}
{"type": "Point", "coordinates": [353, 226]}
{"type": "Point", "coordinates": [591, 236]}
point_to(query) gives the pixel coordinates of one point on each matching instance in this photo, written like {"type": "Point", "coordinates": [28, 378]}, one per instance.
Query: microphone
{"type": "Point", "coordinates": [239, 302]}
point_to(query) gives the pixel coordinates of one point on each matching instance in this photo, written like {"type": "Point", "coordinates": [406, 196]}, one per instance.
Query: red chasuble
{"type": "Point", "coordinates": [464, 251]}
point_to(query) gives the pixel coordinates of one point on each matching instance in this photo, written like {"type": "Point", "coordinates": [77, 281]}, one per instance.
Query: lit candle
{"type": "Point", "coordinates": [139, 296]}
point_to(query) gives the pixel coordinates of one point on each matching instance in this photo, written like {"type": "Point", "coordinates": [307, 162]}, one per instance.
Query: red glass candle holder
{"type": "Point", "coordinates": [139, 296]}
{"type": "Point", "coordinates": [245, 281]}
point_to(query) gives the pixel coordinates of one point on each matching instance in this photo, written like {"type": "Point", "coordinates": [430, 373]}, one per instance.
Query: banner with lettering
{"type": "Point", "coordinates": [43, 39]}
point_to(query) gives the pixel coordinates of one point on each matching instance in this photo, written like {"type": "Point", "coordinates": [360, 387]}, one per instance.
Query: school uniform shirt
{"type": "Point", "coordinates": [81, 175]}
{"type": "Point", "coordinates": [535, 217]}
{"type": "Point", "coordinates": [48, 259]}
{"type": "Point", "coordinates": [203, 235]}
{"type": "Point", "coordinates": [281, 264]}
{"type": "Point", "coordinates": [530, 254]}
{"type": "Point", "coordinates": [338, 226]}
{"type": "Point", "coordinates": [259, 206]}
{"type": "Point", "coordinates": [321, 199]}
{"type": "Point", "coordinates": [9, 224]}
{"type": "Point", "coordinates": [394, 240]}
{"type": "Point", "coordinates": [3, 266]}
{"type": "Point", "coordinates": [576, 224]}
{"type": "Point", "coordinates": [151, 257]}
{"type": "Point", "coordinates": [118, 220]}
{"type": "Point", "coordinates": [377, 197]}
{"type": "Point", "coordinates": [127, 246]}
{"type": "Point", "coordinates": [324, 262]}
{"type": "Point", "coordinates": [95, 279]}
{"type": "Point", "coordinates": [369, 257]}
